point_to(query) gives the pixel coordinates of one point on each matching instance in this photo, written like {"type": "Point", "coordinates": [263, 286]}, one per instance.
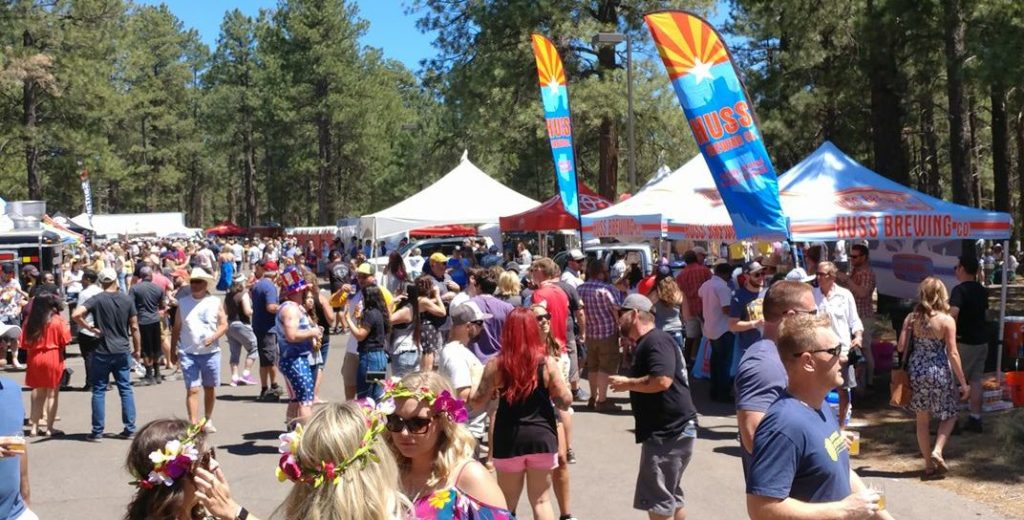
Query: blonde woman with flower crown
{"type": "Point", "coordinates": [435, 452]}
{"type": "Point", "coordinates": [340, 467]}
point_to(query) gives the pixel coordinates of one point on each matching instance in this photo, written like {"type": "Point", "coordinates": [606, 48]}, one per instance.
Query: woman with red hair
{"type": "Point", "coordinates": [527, 384]}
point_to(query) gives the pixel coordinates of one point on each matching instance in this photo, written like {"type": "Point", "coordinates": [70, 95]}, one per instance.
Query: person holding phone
{"type": "Point", "coordinates": [371, 334]}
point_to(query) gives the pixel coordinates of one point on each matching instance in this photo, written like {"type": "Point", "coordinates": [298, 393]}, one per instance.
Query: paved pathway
{"type": "Point", "coordinates": [73, 479]}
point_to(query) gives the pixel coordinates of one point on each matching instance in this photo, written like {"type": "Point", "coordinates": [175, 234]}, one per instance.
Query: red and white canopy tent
{"type": "Point", "coordinates": [226, 228]}
{"type": "Point", "coordinates": [551, 214]}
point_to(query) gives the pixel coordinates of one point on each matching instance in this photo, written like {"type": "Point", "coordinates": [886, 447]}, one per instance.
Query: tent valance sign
{"type": "Point", "coordinates": [830, 196]}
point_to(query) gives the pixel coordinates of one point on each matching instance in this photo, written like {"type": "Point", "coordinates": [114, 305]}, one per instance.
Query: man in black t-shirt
{"type": "Point", "coordinates": [116, 327]}
{"type": "Point", "coordinates": [968, 304]}
{"type": "Point", "coordinates": [666, 420]}
{"type": "Point", "coordinates": [149, 301]}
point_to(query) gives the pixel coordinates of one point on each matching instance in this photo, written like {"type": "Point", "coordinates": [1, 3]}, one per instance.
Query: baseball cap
{"type": "Point", "coordinates": [577, 255]}
{"type": "Point", "coordinates": [365, 269]}
{"type": "Point", "coordinates": [468, 312]}
{"type": "Point", "coordinates": [637, 302]}
{"type": "Point", "coordinates": [617, 271]}
{"type": "Point", "coordinates": [107, 275]}
{"type": "Point", "coordinates": [799, 275]}
{"type": "Point", "coordinates": [438, 257]}
{"type": "Point", "coordinates": [646, 285]}
{"type": "Point", "coordinates": [512, 266]}
{"type": "Point", "coordinates": [700, 250]}
{"type": "Point", "coordinates": [753, 267]}
{"type": "Point", "coordinates": [180, 273]}
{"type": "Point", "coordinates": [270, 265]}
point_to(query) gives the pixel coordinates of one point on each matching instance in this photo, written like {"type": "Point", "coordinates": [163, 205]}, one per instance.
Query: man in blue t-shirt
{"type": "Point", "coordinates": [264, 312]}
{"type": "Point", "coordinates": [13, 457]}
{"type": "Point", "coordinates": [761, 377]}
{"type": "Point", "coordinates": [800, 466]}
{"type": "Point", "coordinates": [458, 267]}
{"type": "Point", "coordinates": [746, 319]}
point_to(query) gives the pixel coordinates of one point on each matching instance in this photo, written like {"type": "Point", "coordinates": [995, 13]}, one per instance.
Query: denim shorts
{"type": "Point", "coordinates": [403, 363]}
{"type": "Point", "coordinates": [199, 369]}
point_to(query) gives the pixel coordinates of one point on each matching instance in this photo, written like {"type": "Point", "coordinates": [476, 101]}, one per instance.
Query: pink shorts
{"type": "Point", "coordinates": [541, 461]}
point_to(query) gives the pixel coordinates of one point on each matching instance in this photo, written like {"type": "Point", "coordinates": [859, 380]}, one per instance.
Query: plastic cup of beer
{"type": "Point", "coordinates": [13, 443]}
{"type": "Point", "coordinates": [879, 489]}
{"type": "Point", "coordinates": [854, 438]}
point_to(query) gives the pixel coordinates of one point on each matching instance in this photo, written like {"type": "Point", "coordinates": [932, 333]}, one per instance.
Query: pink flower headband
{"type": "Point", "coordinates": [288, 467]}
{"type": "Point", "coordinates": [174, 460]}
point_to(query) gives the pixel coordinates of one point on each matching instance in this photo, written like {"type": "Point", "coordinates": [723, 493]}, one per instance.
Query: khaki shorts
{"type": "Point", "coordinates": [350, 369]}
{"type": "Point", "coordinates": [693, 327]}
{"type": "Point", "coordinates": [603, 355]}
{"type": "Point", "coordinates": [972, 361]}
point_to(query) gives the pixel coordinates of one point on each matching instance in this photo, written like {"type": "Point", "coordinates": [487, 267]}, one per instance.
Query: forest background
{"type": "Point", "coordinates": [289, 119]}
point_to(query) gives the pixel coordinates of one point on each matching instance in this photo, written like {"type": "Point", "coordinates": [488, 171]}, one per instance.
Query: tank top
{"type": "Point", "coordinates": [292, 350]}
{"type": "Point", "coordinates": [451, 503]}
{"type": "Point", "coordinates": [526, 427]}
{"type": "Point", "coordinates": [436, 321]}
{"type": "Point", "coordinates": [233, 308]}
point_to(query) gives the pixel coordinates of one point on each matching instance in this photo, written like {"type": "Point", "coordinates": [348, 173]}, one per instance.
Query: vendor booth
{"type": "Point", "coordinates": [135, 224]}
{"type": "Point", "coordinates": [466, 195]}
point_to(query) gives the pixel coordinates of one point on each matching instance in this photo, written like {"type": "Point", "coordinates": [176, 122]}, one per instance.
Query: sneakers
{"type": "Point", "coordinates": [607, 406]}
{"type": "Point", "coordinates": [269, 395]}
{"type": "Point", "coordinates": [94, 437]}
{"type": "Point", "coordinates": [125, 434]}
{"type": "Point", "coordinates": [247, 380]}
{"type": "Point", "coordinates": [570, 456]}
{"type": "Point", "coordinates": [235, 380]}
{"type": "Point", "coordinates": [973, 425]}
{"type": "Point", "coordinates": [209, 427]}
{"type": "Point", "coordinates": [581, 394]}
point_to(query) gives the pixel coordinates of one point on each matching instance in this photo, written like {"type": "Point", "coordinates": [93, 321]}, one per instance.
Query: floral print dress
{"type": "Point", "coordinates": [453, 504]}
{"type": "Point", "coordinates": [933, 387]}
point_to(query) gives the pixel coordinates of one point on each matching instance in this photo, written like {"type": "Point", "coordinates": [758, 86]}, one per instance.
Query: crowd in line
{"type": "Point", "coordinates": [472, 366]}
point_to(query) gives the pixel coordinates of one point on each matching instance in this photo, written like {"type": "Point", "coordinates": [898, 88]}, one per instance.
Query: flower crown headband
{"type": "Point", "coordinates": [174, 460]}
{"type": "Point", "coordinates": [288, 467]}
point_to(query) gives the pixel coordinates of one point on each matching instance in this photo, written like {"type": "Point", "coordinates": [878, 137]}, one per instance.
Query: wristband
{"type": "Point", "coordinates": [243, 513]}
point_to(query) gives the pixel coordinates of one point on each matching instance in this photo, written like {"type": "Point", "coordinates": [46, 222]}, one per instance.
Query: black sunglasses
{"type": "Point", "coordinates": [854, 257]}
{"type": "Point", "coordinates": [623, 312]}
{"type": "Point", "coordinates": [415, 425]}
{"type": "Point", "coordinates": [543, 317]}
{"type": "Point", "coordinates": [834, 351]}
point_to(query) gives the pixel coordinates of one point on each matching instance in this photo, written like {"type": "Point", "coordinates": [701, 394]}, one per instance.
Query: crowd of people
{"type": "Point", "coordinates": [459, 367]}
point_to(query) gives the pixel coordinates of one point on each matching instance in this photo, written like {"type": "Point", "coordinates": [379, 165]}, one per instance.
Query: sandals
{"type": "Point", "coordinates": [940, 464]}
{"type": "Point", "coordinates": [52, 433]}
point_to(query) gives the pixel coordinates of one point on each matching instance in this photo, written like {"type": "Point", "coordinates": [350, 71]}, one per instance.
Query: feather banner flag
{"type": "Point", "coordinates": [554, 94]}
{"type": "Point", "coordinates": [722, 119]}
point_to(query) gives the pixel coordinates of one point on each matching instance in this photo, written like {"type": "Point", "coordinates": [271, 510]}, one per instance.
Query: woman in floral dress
{"type": "Point", "coordinates": [934, 369]}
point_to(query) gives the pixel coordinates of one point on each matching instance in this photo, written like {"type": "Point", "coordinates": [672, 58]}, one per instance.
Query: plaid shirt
{"type": "Point", "coordinates": [690, 280]}
{"type": "Point", "coordinates": [864, 277]}
{"type": "Point", "coordinates": [601, 302]}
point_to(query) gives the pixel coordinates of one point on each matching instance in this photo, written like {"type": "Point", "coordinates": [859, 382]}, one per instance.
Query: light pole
{"type": "Point", "coordinates": [613, 38]}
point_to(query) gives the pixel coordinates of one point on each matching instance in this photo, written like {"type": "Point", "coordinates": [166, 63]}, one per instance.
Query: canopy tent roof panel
{"type": "Point", "coordinates": [226, 228]}
{"type": "Point", "coordinates": [830, 196]}
{"type": "Point", "coordinates": [551, 214]}
{"type": "Point", "coordinates": [465, 195]}
{"type": "Point", "coordinates": [159, 224]}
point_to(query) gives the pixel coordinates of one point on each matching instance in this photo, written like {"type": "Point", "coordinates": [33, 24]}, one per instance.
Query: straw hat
{"type": "Point", "coordinates": [199, 273]}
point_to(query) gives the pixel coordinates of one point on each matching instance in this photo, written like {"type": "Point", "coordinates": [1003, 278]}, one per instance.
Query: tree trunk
{"type": "Point", "coordinates": [608, 143]}
{"type": "Point", "coordinates": [1019, 135]}
{"type": "Point", "coordinates": [886, 107]}
{"type": "Point", "coordinates": [959, 138]}
{"type": "Point", "coordinates": [323, 194]}
{"type": "Point", "coordinates": [29, 104]}
{"type": "Point", "coordinates": [249, 176]}
{"type": "Point", "coordinates": [145, 163]}
{"type": "Point", "coordinates": [930, 150]}
{"type": "Point", "coordinates": [1000, 149]}
{"type": "Point", "coordinates": [977, 197]}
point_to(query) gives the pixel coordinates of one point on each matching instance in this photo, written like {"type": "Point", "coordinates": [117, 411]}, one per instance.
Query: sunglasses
{"type": "Point", "coordinates": [543, 317]}
{"type": "Point", "coordinates": [415, 425]}
{"type": "Point", "coordinates": [759, 274]}
{"type": "Point", "coordinates": [812, 312]}
{"type": "Point", "coordinates": [824, 275]}
{"type": "Point", "coordinates": [623, 312]}
{"type": "Point", "coordinates": [834, 351]}
{"type": "Point", "coordinates": [854, 257]}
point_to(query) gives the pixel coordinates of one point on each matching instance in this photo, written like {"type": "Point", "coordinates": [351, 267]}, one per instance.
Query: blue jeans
{"type": "Point", "coordinates": [721, 365]}
{"type": "Point", "coordinates": [370, 362]}
{"type": "Point", "coordinates": [102, 366]}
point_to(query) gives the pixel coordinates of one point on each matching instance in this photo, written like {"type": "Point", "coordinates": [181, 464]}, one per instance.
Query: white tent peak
{"type": "Point", "coordinates": [465, 195]}
{"type": "Point", "coordinates": [465, 156]}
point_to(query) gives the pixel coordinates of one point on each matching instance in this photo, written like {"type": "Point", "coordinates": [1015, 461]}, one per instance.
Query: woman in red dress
{"type": "Point", "coordinates": [45, 335]}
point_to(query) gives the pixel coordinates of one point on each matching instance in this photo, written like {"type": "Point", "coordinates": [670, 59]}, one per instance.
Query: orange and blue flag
{"type": "Point", "coordinates": [554, 94]}
{"type": "Point", "coordinates": [718, 110]}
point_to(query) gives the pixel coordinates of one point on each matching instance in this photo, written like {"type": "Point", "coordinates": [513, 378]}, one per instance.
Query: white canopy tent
{"type": "Point", "coordinates": [135, 224]}
{"type": "Point", "coordinates": [466, 195]}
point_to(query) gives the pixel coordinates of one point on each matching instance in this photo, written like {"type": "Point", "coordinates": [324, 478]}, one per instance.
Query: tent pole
{"type": "Point", "coordinates": [1002, 312]}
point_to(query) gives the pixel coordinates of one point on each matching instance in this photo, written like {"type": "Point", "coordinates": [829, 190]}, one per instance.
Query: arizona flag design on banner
{"type": "Point", "coordinates": [723, 123]}
{"type": "Point", "coordinates": [555, 96]}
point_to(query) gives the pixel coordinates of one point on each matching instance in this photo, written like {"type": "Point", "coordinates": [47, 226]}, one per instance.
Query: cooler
{"type": "Point", "coordinates": [1013, 335]}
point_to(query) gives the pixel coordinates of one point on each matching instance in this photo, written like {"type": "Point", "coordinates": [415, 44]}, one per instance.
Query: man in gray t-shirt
{"type": "Point", "coordinates": [760, 377]}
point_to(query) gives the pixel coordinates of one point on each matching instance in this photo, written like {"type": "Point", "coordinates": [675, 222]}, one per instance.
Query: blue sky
{"type": "Point", "coordinates": [390, 28]}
